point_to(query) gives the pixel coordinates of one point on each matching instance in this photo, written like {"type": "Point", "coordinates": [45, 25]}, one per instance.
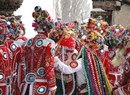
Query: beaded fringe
{"type": "Point", "coordinates": [98, 83]}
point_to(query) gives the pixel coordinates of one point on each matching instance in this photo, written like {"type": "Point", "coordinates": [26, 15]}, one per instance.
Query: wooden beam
{"type": "Point", "coordinates": [107, 5]}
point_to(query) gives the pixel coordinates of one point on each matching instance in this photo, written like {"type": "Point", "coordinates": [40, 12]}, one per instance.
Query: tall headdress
{"type": "Point", "coordinates": [42, 20]}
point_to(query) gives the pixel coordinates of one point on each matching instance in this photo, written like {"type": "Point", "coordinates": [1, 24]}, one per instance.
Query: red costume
{"type": "Point", "coordinates": [106, 59]}
{"type": "Point", "coordinates": [5, 62]}
{"type": "Point", "coordinates": [124, 84]}
{"type": "Point", "coordinates": [68, 56]}
{"type": "Point", "coordinates": [39, 58]}
{"type": "Point", "coordinates": [14, 43]}
{"type": "Point", "coordinates": [5, 70]}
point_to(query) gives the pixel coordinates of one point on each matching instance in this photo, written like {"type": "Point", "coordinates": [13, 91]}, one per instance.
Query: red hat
{"type": "Point", "coordinates": [68, 42]}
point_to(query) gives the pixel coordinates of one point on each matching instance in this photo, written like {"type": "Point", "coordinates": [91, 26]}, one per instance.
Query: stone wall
{"type": "Point", "coordinates": [122, 16]}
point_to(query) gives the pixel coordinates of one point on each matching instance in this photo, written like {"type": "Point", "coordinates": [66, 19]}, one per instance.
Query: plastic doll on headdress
{"type": "Point", "coordinates": [5, 61]}
{"type": "Point", "coordinates": [39, 57]}
{"type": "Point", "coordinates": [124, 83]}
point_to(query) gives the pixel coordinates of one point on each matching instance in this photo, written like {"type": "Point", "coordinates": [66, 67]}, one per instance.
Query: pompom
{"type": "Point", "coordinates": [34, 25]}
{"type": "Point", "coordinates": [38, 9]}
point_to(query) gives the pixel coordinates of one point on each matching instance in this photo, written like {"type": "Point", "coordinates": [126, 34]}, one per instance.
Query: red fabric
{"type": "Point", "coordinates": [47, 61]}
{"type": "Point", "coordinates": [23, 38]}
{"type": "Point", "coordinates": [127, 51]}
{"type": "Point", "coordinates": [126, 89]}
{"type": "Point", "coordinates": [68, 87]}
{"type": "Point", "coordinates": [78, 45]}
{"type": "Point", "coordinates": [106, 61]}
{"type": "Point", "coordinates": [49, 68]}
{"type": "Point", "coordinates": [5, 67]}
{"type": "Point", "coordinates": [17, 58]}
{"type": "Point", "coordinates": [68, 42]}
{"type": "Point", "coordinates": [35, 26]}
{"type": "Point", "coordinates": [91, 25]}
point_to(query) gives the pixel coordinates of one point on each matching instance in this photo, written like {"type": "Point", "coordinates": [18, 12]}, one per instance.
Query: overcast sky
{"type": "Point", "coordinates": [26, 11]}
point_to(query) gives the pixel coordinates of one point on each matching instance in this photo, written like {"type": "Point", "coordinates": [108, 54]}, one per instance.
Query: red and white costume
{"type": "Point", "coordinates": [67, 69]}
{"type": "Point", "coordinates": [106, 57]}
{"type": "Point", "coordinates": [16, 50]}
{"type": "Point", "coordinates": [21, 66]}
{"type": "Point", "coordinates": [124, 84]}
{"type": "Point", "coordinates": [5, 63]}
{"type": "Point", "coordinates": [66, 64]}
{"type": "Point", "coordinates": [14, 43]}
{"type": "Point", "coordinates": [5, 70]}
{"type": "Point", "coordinates": [39, 57]}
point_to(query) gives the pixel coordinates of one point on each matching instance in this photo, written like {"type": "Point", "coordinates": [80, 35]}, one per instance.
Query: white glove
{"type": "Point", "coordinates": [59, 65]}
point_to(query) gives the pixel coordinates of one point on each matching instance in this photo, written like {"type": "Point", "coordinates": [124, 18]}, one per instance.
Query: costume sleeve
{"type": "Point", "coordinates": [66, 69]}
{"type": "Point", "coordinates": [19, 56]}
{"type": "Point", "coordinates": [49, 68]}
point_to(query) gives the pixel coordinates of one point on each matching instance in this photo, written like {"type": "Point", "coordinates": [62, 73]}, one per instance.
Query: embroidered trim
{"type": "Point", "coordinates": [74, 64]}
{"type": "Point", "coordinates": [30, 78]}
{"type": "Point", "coordinates": [29, 43]}
{"type": "Point", "coordinates": [53, 51]}
{"type": "Point", "coordinates": [5, 56]}
{"type": "Point", "coordinates": [13, 47]}
{"type": "Point", "coordinates": [41, 90]}
{"type": "Point", "coordinates": [41, 72]}
{"type": "Point", "coordinates": [2, 76]}
{"type": "Point", "coordinates": [74, 56]}
{"type": "Point", "coordinates": [39, 43]}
